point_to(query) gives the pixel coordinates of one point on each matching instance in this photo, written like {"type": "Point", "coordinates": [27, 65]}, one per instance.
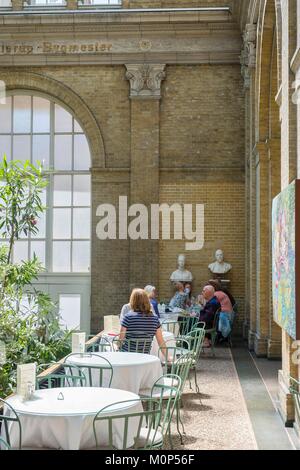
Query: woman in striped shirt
{"type": "Point", "coordinates": [140, 322]}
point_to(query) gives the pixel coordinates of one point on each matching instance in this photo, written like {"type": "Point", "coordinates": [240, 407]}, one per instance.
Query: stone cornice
{"type": "Point", "coordinates": [170, 37]}
{"type": "Point", "coordinates": [186, 46]}
{"type": "Point", "coordinates": [114, 15]}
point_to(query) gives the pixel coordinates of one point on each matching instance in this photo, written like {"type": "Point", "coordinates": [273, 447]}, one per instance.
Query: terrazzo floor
{"type": "Point", "coordinates": [219, 421]}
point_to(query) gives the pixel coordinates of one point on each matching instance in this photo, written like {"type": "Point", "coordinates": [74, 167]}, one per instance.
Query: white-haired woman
{"type": "Point", "coordinates": [152, 293]}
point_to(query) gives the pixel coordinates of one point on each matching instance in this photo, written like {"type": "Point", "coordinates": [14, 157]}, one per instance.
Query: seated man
{"type": "Point", "coordinates": [212, 304]}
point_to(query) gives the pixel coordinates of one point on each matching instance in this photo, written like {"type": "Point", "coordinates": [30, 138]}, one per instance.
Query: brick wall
{"type": "Point", "coordinates": [224, 225]}
{"type": "Point", "coordinates": [202, 117]}
{"type": "Point", "coordinates": [201, 128]}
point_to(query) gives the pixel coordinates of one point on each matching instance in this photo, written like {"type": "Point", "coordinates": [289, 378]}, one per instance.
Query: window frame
{"type": "Point", "coordinates": [50, 174]}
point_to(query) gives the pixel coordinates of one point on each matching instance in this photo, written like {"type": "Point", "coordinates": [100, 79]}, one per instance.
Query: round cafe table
{"type": "Point", "coordinates": [131, 371]}
{"type": "Point", "coordinates": [170, 341]}
{"type": "Point", "coordinates": [50, 422]}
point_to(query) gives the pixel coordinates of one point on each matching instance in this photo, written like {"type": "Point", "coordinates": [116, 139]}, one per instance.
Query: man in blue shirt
{"type": "Point", "coordinates": [207, 314]}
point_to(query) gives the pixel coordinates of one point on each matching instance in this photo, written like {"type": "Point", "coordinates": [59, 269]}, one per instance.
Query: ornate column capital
{"type": "Point", "coordinates": [145, 80]}
{"type": "Point", "coordinates": [248, 55]}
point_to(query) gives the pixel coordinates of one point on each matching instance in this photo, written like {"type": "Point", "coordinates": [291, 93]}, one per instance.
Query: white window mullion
{"type": "Point", "coordinates": [50, 193]}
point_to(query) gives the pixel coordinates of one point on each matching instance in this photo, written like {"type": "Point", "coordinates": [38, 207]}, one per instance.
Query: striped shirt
{"type": "Point", "coordinates": [139, 325]}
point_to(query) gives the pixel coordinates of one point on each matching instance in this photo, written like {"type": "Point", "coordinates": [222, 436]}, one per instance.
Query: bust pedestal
{"type": "Point", "coordinates": [225, 283]}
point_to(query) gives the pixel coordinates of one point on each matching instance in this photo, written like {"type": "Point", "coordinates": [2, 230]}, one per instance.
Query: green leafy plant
{"type": "Point", "coordinates": [29, 320]}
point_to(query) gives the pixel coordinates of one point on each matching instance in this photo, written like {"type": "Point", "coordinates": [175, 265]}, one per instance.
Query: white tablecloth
{"type": "Point", "coordinates": [131, 371]}
{"type": "Point", "coordinates": [169, 339]}
{"type": "Point", "coordinates": [68, 424]}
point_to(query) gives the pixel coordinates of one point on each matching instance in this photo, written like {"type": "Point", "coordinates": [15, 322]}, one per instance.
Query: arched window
{"type": "Point", "coordinates": [36, 128]}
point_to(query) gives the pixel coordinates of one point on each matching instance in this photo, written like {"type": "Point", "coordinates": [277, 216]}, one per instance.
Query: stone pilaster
{"type": "Point", "coordinates": [248, 55]}
{"type": "Point", "coordinates": [145, 93]}
{"type": "Point", "coordinates": [248, 64]}
{"type": "Point", "coordinates": [262, 253]}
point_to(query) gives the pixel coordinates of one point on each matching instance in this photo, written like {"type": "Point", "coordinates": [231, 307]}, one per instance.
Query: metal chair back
{"type": "Point", "coordinates": [9, 417]}
{"type": "Point", "coordinates": [145, 424]}
{"type": "Point", "coordinates": [97, 375]}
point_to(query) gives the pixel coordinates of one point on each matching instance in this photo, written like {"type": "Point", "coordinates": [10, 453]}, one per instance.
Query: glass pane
{"type": "Point", "coordinates": [61, 223]}
{"type": "Point", "coordinates": [81, 223]}
{"type": "Point", "coordinates": [82, 190]}
{"type": "Point", "coordinates": [41, 150]}
{"type": "Point", "coordinates": [39, 248]}
{"type": "Point", "coordinates": [43, 197]}
{"type": "Point", "coordinates": [41, 115]}
{"type": "Point", "coordinates": [22, 114]}
{"type": "Point", "coordinates": [69, 309]}
{"type": "Point", "coordinates": [77, 127]}
{"type": "Point", "coordinates": [5, 116]}
{"type": "Point", "coordinates": [5, 146]}
{"type": "Point", "coordinates": [63, 152]}
{"type": "Point", "coordinates": [41, 225]}
{"type": "Point", "coordinates": [62, 190]}
{"type": "Point", "coordinates": [81, 257]}
{"type": "Point", "coordinates": [21, 147]}
{"type": "Point", "coordinates": [81, 153]}
{"type": "Point", "coordinates": [61, 256]}
{"type": "Point", "coordinates": [20, 251]}
{"type": "Point", "coordinates": [63, 120]}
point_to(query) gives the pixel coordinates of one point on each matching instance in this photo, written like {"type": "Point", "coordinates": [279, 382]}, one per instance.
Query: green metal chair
{"type": "Point", "coordinates": [170, 354]}
{"type": "Point", "coordinates": [167, 389]}
{"type": "Point", "coordinates": [4, 445]}
{"type": "Point", "coordinates": [177, 367]}
{"type": "Point", "coordinates": [6, 419]}
{"type": "Point", "coordinates": [98, 375]}
{"type": "Point", "coordinates": [214, 331]}
{"type": "Point", "coordinates": [102, 345]}
{"type": "Point", "coordinates": [139, 343]}
{"type": "Point", "coordinates": [145, 423]}
{"type": "Point", "coordinates": [195, 339]}
{"type": "Point", "coordinates": [180, 327]}
{"type": "Point", "coordinates": [65, 376]}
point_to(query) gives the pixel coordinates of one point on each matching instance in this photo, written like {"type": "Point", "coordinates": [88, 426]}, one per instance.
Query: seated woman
{"type": "Point", "coordinates": [152, 294]}
{"type": "Point", "coordinates": [180, 298]}
{"type": "Point", "coordinates": [140, 322]}
{"type": "Point", "coordinates": [227, 313]}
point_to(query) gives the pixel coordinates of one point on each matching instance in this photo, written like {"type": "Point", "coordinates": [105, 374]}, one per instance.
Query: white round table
{"type": "Point", "coordinates": [68, 424]}
{"type": "Point", "coordinates": [170, 341]}
{"type": "Point", "coordinates": [131, 371]}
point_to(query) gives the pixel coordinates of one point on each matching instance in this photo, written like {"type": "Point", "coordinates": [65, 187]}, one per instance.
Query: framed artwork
{"type": "Point", "coordinates": [286, 259]}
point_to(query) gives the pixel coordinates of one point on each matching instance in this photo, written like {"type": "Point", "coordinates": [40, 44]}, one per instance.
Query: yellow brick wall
{"type": "Point", "coordinates": [224, 228]}
{"type": "Point", "coordinates": [200, 119]}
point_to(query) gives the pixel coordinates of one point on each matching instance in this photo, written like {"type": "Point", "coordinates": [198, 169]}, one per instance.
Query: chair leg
{"type": "Point", "coordinates": [196, 382]}
{"type": "Point", "coordinates": [170, 437]}
{"type": "Point", "coordinates": [179, 417]}
{"type": "Point", "coordinates": [177, 424]}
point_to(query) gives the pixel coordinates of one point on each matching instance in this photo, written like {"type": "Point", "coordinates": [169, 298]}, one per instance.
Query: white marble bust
{"type": "Point", "coordinates": [219, 266]}
{"type": "Point", "coordinates": [181, 274]}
